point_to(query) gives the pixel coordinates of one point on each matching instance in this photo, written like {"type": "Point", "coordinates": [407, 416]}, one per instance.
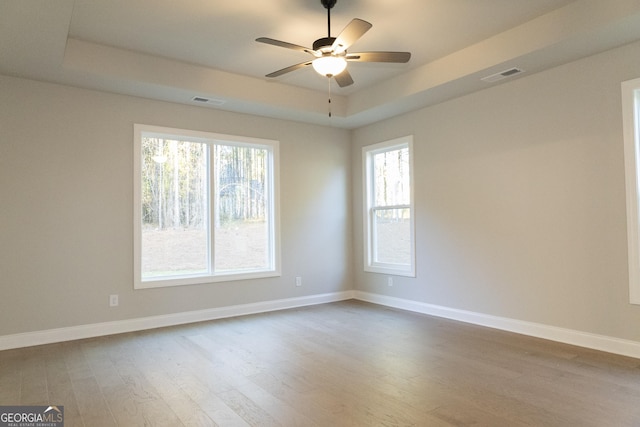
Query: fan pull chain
{"type": "Point", "coordinates": [329, 80]}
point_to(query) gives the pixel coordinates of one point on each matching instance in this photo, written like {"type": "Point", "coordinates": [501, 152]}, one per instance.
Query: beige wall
{"type": "Point", "coordinates": [520, 203]}
{"type": "Point", "coordinates": [520, 199]}
{"type": "Point", "coordinates": [66, 185]}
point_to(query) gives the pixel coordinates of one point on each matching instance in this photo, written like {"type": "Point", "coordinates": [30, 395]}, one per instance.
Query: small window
{"type": "Point", "coordinates": [389, 218]}
{"type": "Point", "coordinates": [205, 207]}
{"type": "Point", "coordinates": [631, 123]}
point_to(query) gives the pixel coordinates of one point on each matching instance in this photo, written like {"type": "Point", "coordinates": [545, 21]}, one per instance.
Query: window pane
{"type": "Point", "coordinates": [392, 178]}
{"type": "Point", "coordinates": [242, 231]}
{"type": "Point", "coordinates": [392, 236]}
{"type": "Point", "coordinates": [174, 208]}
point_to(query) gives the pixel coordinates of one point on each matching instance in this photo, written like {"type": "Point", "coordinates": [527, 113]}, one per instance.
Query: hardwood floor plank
{"type": "Point", "coordinates": [342, 364]}
{"type": "Point", "coordinates": [247, 409]}
{"type": "Point", "coordinates": [33, 387]}
{"type": "Point", "coordinates": [136, 369]}
{"type": "Point", "coordinates": [60, 387]}
{"type": "Point", "coordinates": [91, 403]}
{"type": "Point", "coordinates": [10, 377]}
{"type": "Point", "coordinates": [118, 398]}
{"type": "Point", "coordinates": [198, 380]}
{"type": "Point", "coordinates": [280, 411]}
{"type": "Point", "coordinates": [306, 403]}
{"type": "Point", "coordinates": [125, 408]}
{"type": "Point", "coordinates": [465, 415]}
{"type": "Point", "coordinates": [187, 411]}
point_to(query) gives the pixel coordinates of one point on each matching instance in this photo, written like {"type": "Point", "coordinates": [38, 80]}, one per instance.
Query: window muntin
{"type": "Point", "coordinates": [631, 128]}
{"type": "Point", "coordinates": [389, 222]}
{"type": "Point", "coordinates": [205, 207]}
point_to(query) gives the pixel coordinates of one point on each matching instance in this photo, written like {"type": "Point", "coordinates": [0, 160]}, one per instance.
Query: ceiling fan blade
{"type": "Point", "coordinates": [344, 79]}
{"type": "Point", "coordinates": [288, 69]}
{"type": "Point", "coordinates": [400, 57]}
{"type": "Point", "coordinates": [286, 45]}
{"type": "Point", "coordinates": [351, 33]}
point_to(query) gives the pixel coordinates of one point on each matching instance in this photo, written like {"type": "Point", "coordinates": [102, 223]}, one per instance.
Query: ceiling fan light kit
{"type": "Point", "coordinates": [330, 53]}
{"type": "Point", "coordinates": [329, 66]}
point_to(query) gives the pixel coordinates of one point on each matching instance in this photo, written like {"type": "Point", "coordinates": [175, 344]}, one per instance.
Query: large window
{"type": "Point", "coordinates": [205, 207]}
{"type": "Point", "coordinates": [631, 121]}
{"type": "Point", "coordinates": [389, 219]}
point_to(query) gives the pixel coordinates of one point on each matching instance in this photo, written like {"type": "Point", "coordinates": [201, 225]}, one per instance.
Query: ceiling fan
{"type": "Point", "coordinates": [330, 53]}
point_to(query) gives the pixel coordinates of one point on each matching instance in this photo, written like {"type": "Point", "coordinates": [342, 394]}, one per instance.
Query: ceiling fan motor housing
{"type": "Point", "coordinates": [325, 42]}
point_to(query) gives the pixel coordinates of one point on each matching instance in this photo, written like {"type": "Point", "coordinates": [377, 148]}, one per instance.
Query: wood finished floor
{"type": "Point", "coordinates": [340, 364]}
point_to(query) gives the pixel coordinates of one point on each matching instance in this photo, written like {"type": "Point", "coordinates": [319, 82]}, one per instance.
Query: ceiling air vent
{"type": "Point", "coordinates": [203, 100]}
{"type": "Point", "coordinates": [502, 75]}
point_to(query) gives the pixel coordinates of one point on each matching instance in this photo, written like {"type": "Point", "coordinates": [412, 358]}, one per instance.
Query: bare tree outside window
{"type": "Point", "coordinates": [391, 214]}
{"type": "Point", "coordinates": [206, 207]}
{"type": "Point", "coordinates": [241, 226]}
{"type": "Point", "coordinates": [174, 207]}
{"type": "Point", "coordinates": [389, 218]}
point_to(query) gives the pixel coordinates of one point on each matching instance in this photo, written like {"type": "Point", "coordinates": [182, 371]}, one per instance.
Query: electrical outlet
{"type": "Point", "coordinates": [389, 281]}
{"type": "Point", "coordinates": [113, 300]}
{"type": "Point", "coordinates": [298, 281]}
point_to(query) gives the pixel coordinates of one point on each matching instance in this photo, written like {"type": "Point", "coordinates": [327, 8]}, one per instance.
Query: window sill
{"type": "Point", "coordinates": [203, 279]}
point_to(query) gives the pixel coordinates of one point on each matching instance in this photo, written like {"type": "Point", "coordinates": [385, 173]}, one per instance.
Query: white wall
{"type": "Point", "coordinates": [66, 189]}
{"type": "Point", "coordinates": [520, 199]}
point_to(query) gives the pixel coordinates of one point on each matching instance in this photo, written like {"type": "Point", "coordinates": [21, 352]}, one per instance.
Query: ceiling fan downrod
{"type": "Point", "coordinates": [328, 4]}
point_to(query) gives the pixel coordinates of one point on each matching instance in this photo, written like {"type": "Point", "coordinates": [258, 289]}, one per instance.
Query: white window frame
{"type": "Point", "coordinates": [631, 128]}
{"type": "Point", "coordinates": [369, 210]}
{"type": "Point", "coordinates": [210, 277]}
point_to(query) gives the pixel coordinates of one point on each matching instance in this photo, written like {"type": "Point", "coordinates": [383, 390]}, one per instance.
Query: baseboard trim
{"type": "Point", "coordinates": [553, 333]}
{"type": "Point", "coordinates": [50, 336]}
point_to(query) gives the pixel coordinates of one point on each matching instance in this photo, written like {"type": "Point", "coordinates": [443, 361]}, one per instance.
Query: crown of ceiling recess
{"type": "Point", "coordinates": [181, 51]}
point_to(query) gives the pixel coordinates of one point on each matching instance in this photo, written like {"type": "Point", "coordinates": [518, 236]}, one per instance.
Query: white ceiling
{"type": "Point", "coordinates": [175, 50]}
